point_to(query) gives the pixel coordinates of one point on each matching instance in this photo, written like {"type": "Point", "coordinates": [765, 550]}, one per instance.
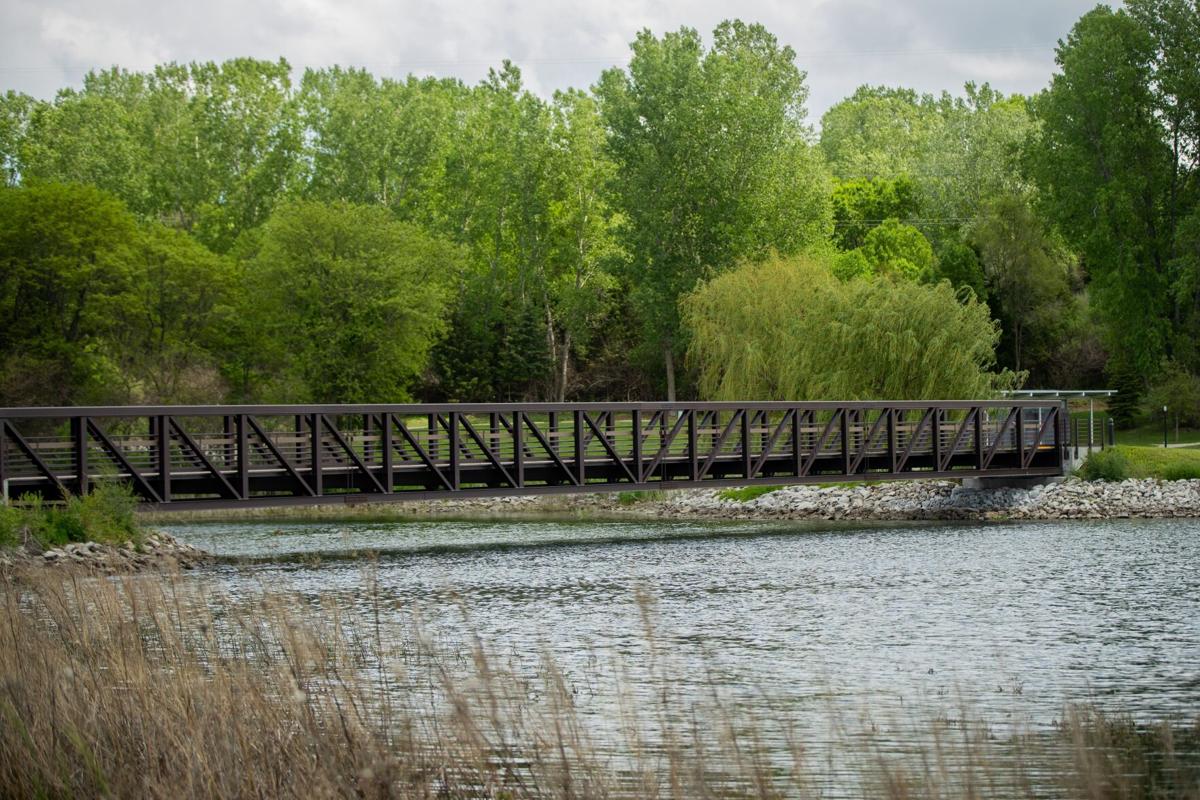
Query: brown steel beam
{"type": "Point", "coordinates": [776, 442]}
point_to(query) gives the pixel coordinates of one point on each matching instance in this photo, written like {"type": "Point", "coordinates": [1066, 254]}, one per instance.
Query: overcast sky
{"type": "Point", "coordinates": [930, 45]}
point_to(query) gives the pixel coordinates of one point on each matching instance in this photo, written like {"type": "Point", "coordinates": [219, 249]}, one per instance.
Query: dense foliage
{"type": "Point", "coordinates": [209, 232]}
{"type": "Point", "coordinates": [785, 328]}
{"type": "Point", "coordinates": [107, 514]}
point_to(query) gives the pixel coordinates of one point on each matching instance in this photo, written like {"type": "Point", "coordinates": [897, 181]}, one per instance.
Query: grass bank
{"type": "Point", "coordinates": [1151, 435]}
{"type": "Point", "coordinates": [106, 515]}
{"type": "Point", "coordinates": [1125, 461]}
{"type": "Point", "coordinates": [167, 687]}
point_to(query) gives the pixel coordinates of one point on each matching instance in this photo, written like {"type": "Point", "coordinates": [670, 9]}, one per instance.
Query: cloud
{"type": "Point", "coordinates": [96, 41]}
{"type": "Point", "coordinates": [930, 45]}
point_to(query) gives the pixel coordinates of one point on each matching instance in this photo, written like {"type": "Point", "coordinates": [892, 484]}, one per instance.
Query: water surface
{"type": "Point", "coordinates": [1010, 621]}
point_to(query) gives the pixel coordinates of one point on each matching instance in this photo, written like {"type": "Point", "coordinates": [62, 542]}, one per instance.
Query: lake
{"type": "Point", "coordinates": [855, 628]}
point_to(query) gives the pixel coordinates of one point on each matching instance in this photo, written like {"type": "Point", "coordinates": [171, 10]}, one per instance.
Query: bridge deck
{"type": "Point", "coordinates": [218, 455]}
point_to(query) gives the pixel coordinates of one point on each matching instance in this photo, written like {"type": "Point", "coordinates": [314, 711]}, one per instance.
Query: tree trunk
{"type": "Point", "coordinates": [552, 345]}
{"type": "Point", "coordinates": [1017, 344]}
{"type": "Point", "coordinates": [566, 365]}
{"type": "Point", "coordinates": [669, 362]}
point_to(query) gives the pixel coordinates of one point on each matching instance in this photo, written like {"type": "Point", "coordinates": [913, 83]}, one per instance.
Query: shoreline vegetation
{"type": "Point", "coordinates": [101, 530]}
{"type": "Point", "coordinates": [157, 686]}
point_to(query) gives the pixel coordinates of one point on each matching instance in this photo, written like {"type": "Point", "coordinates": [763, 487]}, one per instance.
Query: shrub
{"type": "Point", "coordinates": [108, 513]}
{"type": "Point", "coordinates": [105, 515]}
{"type": "Point", "coordinates": [1105, 465]}
{"type": "Point", "coordinates": [744, 494]}
{"type": "Point", "coordinates": [12, 520]}
{"type": "Point", "coordinates": [1181, 472]}
{"type": "Point", "coordinates": [639, 496]}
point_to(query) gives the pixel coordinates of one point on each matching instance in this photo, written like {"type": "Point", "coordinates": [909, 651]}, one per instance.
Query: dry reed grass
{"type": "Point", "coordinates": [162, 686]}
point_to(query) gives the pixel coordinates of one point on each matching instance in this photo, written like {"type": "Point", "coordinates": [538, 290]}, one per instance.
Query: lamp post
{"type": "Point", "coordinates": [1164, 426]}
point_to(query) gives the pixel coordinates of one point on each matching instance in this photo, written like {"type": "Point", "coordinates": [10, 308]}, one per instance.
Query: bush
{"type": "Point", "coordinates": [11, 523]}
{"type": "Point", "coordinates": [745, 494]}
{"type": "Point", "coordinates": [639, 496]}
{"type": "Point", "coordinates": [1105, 465]}
{"type": "Point", "coordinates": [1124, 461]}
{"type": "Point", "coordinates": [1181, 472]}
{"type": "Point", "coordinates": [106, 515]}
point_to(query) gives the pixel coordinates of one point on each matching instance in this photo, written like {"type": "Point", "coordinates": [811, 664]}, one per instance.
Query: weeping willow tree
{"type": "Point", "coordinates": [787, 329]}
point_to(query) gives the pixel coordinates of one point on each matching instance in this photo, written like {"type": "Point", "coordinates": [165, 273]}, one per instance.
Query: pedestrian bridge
{"type": "Point", "coordinates": [222, 456]}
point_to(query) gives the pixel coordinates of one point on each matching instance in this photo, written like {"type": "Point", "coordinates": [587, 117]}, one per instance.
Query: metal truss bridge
{"type": "Point", "coordinates": [223, 456]}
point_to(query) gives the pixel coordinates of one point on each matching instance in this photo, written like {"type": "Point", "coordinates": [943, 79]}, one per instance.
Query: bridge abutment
{"type": "Point", "coordinates": [1010, 482]}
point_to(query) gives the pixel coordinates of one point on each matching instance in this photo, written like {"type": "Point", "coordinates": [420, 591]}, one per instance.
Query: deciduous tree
{"type": "Point", "coordinates": [786, 329]}
{"type": "Point", "coordinates": [351, 298]}
{"type": "Point", "coordinates": [713, 162]}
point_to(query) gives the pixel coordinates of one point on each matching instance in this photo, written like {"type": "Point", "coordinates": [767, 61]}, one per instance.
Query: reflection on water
{"type": "Point", "coordinates": [1009, 621]}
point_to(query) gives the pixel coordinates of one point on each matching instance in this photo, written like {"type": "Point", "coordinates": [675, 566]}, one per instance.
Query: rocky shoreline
{"type": "Point", "coordinates": [157, 551]}
{"type": "Point", "coordinates": [947, 500]}
{"type": "Point", "coordinates": [889, 501]}
{"type": "Point", "coordinates": [895, 501]}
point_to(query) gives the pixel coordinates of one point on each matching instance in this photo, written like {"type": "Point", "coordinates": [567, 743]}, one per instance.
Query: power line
{"type": "Point", "coordinates": [615, 58]}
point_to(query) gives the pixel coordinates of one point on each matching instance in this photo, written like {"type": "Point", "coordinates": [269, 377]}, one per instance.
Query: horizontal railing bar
{"type": "Point", "coordinates": [57, 412]}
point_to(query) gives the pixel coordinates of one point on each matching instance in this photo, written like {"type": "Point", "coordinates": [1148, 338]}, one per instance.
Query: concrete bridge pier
{"type": "Point", "coordinates": [1013, 482]}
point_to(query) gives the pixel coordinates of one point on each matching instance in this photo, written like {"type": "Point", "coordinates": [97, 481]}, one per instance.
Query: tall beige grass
{"type": "Point", "coordinates": [162, 686]}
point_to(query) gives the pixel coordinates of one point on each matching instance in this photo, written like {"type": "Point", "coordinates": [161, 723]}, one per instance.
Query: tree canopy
{"type": "Point", "coordinates": [227, 231]}
{"type": "Point", "coordinates": [347, 300]}
{"type": "Point", "coordinates": [786, 329]}
{"type": "Point", "coordinates": [713, 163]}
{"type": "Point", "coordinates": [1115, 158]}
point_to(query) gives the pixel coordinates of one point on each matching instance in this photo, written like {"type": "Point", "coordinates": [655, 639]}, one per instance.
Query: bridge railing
{"type": "Point", "coordinates": [273, 454]}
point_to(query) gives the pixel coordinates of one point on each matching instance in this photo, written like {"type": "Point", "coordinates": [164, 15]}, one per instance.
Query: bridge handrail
{"type": "Point", "coordinates": [414, 409]}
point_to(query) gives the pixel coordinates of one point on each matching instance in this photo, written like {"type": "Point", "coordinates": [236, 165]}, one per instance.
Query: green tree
{"type": "Point", "coordinates": [878, 132]}
{"type": "Point", "coordinates": [583, 225]}
{"type": "Point", "coordinates": [894, 248]}
{"type": "Point", "coordinates": [165, 330]}
{"type": "Point", "coordinates": [860, 204]}
{"type": "Point", "coordinates": [713, 162]}
{"type": "Point", "coordinates": [244, 113]}
{"type": "Point", "coordinates": [973, 155]}
{"type": "Point", "coordinates": [786, 329]}
{"type": "Point", "coordinates": [379, 141]}
{"type": "Point", "coordinates": [851, 264]}
{"type": "Point", "coordinates": [958, 264]}
{"type": "Point", "coordinates": [89, 136]}
{"type": "Point", "coordinates": [1028, 270]}
{"type": "Point", "coordinates": [497, 204]}
{"type": "Point", "coordinates": [953, 152]}
{"type": "Point", "coordinates": [351, 300]}
{"type": "Point", "coordinates": [15, 110]}
{"type": "Point", "coordinates": [65, 253]}
{"type": "Point", "coordinates": [1112, 159]}
{"type": "Point", "coordinates": [205, 147]}
{"type": "Point", "coordinates": [1179, 391]}
{"type": "Point", "coordinates": [1185, 279]}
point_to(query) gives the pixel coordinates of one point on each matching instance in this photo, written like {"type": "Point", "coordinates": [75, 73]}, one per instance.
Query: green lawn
{"type": "Point", "coordinates": [1152, 435]}
{"type": "Point", "coordinates": [1127, 461]}
{"type": "Point", "coordinates": [1146, 435]}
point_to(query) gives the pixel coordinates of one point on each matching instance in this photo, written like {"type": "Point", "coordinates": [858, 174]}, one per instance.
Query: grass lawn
{"type": "Point", "coordinates": [1126, 461]}
{"type": "Point", "coordinates": [1145, 435]}
{"type": "Point", "coordinates": [1152, 435]}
